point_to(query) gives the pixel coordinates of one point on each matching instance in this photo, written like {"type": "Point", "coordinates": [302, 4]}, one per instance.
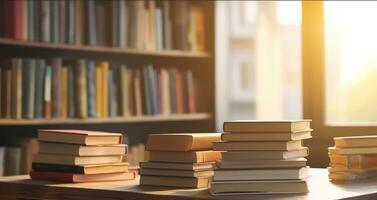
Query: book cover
{"type": "Point", "coordinates": [184, 182]}
{"type": "Point", "coordinates": [81, 178]}
{"type": "Point", "coordinates": [266, 126]}
{"type": "Point", "coordinates": [184, 156]}
{"type": "Point", "coordinates": [82, 169]}
{"type": "Point", "coordinates": [356, 141]}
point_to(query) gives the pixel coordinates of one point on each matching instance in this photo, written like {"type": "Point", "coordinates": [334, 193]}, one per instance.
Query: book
{"type": "Point", "coordinates": [267, 126]}
{"type": "Point", "coordinates": [16, 91]}
{"type": "Point", "coordinates": [64, 92]}
{"type": "Point", "coordinates": [265, 155]}
{"type": "Point", "coordinates": [185, 157]}
{"type": "Point", "coordinates": [81, 89]}
{"type": "Point", "coordinates": [258, 187]}
{"type": "Point", "coordinates": [347, 176]}
{"type": "Point", "coordinates": [12, 160]}
{"type": "Point", "coordinates": [29, 147]}
{"type": "Point", "coordinates": [176, 173]}
{"type": "Point", "coordinates": [181, 141]}
{"type": "Point", "coordinates": [2, 161]}
{"type": "Point", "coordinates": [357, 161]}
{"type": "Point", "coordinates": [47, 92]}
{"type": "Point", "coordinates": [177, 166]}
{"type": "Point", "coordinates": [56, 65]}
{"type": "Point", "coordinates": [261, 174]}
{"type": "Point", "coordinates": [257, 146]}
{"type": "Point", "coordinates": [266, 137]}
{"type": "Point", "coordinates": [261, 164]}
{"type": "Point", "coordinates": [343, 169]}
{"type": "Point", "coordinates": [356, 141]}
{"type": "Point", "coordinates": [184, 182]}
{"type": "Point", "coordinates": [81, 178]}
{"type": "Point", "coordinates": [81, 150]}
{"type": "Point", "coordinates": [349, 151]}
{"type": "Point", "coordinates": [79, 137]}
{"type": "Point", "coordinates": [39, 86]}
{"type": "Point", "coordinates": [71, 92]}
{"type": "Point", "coordinates": [91, 95]}
{"type": "Point", "coordinates": [76, 160]}
{"type": "Point", "coordinates": [82, 169]}
{"type": "Point", "coordinates": [28, 88]}
{"type": "Point", "coordinates": [165, 94]}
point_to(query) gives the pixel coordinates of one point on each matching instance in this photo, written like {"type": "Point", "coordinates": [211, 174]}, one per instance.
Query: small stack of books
{"type": "Point", "coordinates": [353, 158]}
{"type": "Point", "coordinates": [80, 156]}
{"type": "Point", "coordinates": [262, 157]}
{"type": "Point", "coordinates": [180, 160]}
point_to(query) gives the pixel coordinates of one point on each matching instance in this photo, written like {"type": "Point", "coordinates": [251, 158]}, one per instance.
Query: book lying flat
{"type": "Point", "coordinates": [82, 169]}
{"type": "Point", "coordinates": [79, 137]}
{"type": "Point", "coordinates": [266, 136]}
{"type": "Point", "coordinates": [342, 169]}
{"type": "Point", "coordinates": [82, 150]}
{"type": "Point", "coordinates": [174, 181]}
{"type": "Point", "coordinates": [81, 178]}
{"type": "Point", "coordinates": [356, 161]}
{"type": "Point", "coordinates": [261, 164]}
{"type": "Point", "coordinates": [267, 126]}
{"type": "Point", "coordinates": [347, 176]}
{"type": "Point", "coordinates": [265, 155]}
{"type": "Point", "coordinates": [261, 174]}
{"type": "Point", "coordinates": [75, 160]}
{"type": "Point", "coordinates": [177, 166]}
{"type": "Point", "coordinates": [256, 146]}
{"type": "Point", "coordinates": [185, 157]}
{"type": "Point", "coordinates": [176, 173]}
{"type": "Point", "coordinates": [255, 187]}
{"type": "Point", "coordinates": [356, 141]}
{"type": "Point", "coordinates": [182, 141]}
{"type": "Point", "coordinates": [354, 150]}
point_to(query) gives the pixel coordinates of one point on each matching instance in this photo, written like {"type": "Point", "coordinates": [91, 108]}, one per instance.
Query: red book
{"type": "Point", "coordinates": [81, 178]}
{"type": "Point", "coordinates": [18, 19]}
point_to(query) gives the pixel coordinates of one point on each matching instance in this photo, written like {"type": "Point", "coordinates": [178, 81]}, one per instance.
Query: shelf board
{"type": "Point", "coordinates": [102, 49]}
{"type": "Point", "coordinates": [112, 120]}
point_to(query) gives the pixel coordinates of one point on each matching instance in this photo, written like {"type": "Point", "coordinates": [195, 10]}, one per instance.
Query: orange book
{"type": "Point", "coordinates": [355, 161]}
{"type": "Point", "coordinates": [99, 90]}
{"type": "Point", "coordinates": [105, 88]}
{"type": "Point", "coordinates": [81, 178]}
{"type": "Point", "coordinates": [182, 141]}
{"type": "Point", "coordinates": [165, 92]}
{"type": "Point", "coordinates": [64, 93]}
{"type": "Point", "coordinates": [185, 156]}
{"type": "Point", "coordinates": [138, 97]}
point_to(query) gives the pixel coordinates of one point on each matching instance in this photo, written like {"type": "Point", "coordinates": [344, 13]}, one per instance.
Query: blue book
{"type": "Point", "coordinates": [152, 89]}
{"type": "Point", "coordinates": [71, 92]}
{"type": "Point", "coordinates": [90, 73]}
{"type": "Point", "coordinates": [39, 88]}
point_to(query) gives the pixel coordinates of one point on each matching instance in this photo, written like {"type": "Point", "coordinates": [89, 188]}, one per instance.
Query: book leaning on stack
{"type": "Point", "coordinates": [262, 157]}
{"type": "Point", "coordinates": [180, 160]}
{"type": "Point", "coordinates": [80, 156]}
{"type": "Point", "coordinates": [353, 158]}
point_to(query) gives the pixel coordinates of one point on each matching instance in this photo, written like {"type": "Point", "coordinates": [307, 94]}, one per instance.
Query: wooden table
{"type": "Point", "coordinates": [319, 186]}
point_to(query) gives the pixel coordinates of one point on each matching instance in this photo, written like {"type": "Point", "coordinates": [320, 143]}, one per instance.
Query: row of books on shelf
{"type": "Point", "coordinates": [38, 88]}
{"type": "Point", "coordinates": [154, 25]}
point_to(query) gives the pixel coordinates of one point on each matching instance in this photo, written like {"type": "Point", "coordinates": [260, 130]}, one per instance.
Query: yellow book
{"type": "Point", "coordinates": [64, 92]}
{"type": "Point", "coordinates": [105, 89]}
{"type": "Point", "coordinates": [99, 90]}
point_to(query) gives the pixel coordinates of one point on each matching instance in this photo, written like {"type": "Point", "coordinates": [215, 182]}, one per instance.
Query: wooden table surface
{"type": "Point", "coordinates": [319, 186]}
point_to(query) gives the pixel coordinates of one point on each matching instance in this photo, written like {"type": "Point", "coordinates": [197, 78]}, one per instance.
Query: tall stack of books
{"type": "Point", "coordinates": [180, 160]}
{"type": "Point", "coordinates": [353, 158]}
{"type": "Point", "coordinates": [262, 157]}
{"type": "Point", "coordinates": [80, 156]}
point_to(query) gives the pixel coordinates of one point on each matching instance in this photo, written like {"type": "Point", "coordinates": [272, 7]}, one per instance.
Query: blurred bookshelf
{"type": "Point", "coordinates": [130, 34]}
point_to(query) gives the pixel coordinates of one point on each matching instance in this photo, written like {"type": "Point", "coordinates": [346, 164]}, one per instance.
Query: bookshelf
{"type": "Point", "coordinates": [135, 127]}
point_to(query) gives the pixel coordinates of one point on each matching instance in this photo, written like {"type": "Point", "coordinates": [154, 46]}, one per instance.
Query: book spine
{"type": "Point", "coordinates": [105, 82]}
{"type": "Point", "coordinates": [191, 92]}
{"type": "Point", "coordinates": [25, 87]}
{"type": "Point", "coordinates": [47, 92]}
{"type": "Point", "coordinates": [16, 88]}
{"type": "Point", "coordinates": [124, 91]}
{"type": "Point", "coordinates": [99, 90]}
{"type": "Point", "coordinates": [91, 88]}
{"type": "Point", "coordinates": [18, 20]}
{"type": "Point", "coordinates": [167, 25]}
{"type": "Point", "coordinates": [123, 33]}
{"type": "Point", "coordinates": [81, 94]}
{"type": "Point", "coordinates": [54, 23]}
{"type": "Point", "coordinates": [8, 93]}
{"type": "Point", "coordinates": [159, 29]}
{"type": "Point", "coordinates": [45, 20]}
{"type": "Point", "coordinates": [71, 92]}
{"type": "Point", "coordinates": [91, 23]}
{"type": "Point", "coordinates": [115, 22]}
{"type": "Point", "coordinates": [79, 22]}
{"type": "Point", "coordinates": [31, 12]}
{"type": "Point", "coordinates": [138, 96]}
{"type": "Point", "coordinates": [31, 87]}
{"type": "Point", "coordinates": [64, 92]}
{"type": "Point", "coordinates": [172, 89]}
{"type": "Point", "coordinates": [111, 94]}
{"type": "Point", "coordinates": [39, 87]}
{"type": "Point", "coordinates": [147, 92]}
{"type": "Point", "coordinates": [70, 25]}
{"type": "Point", "coordinates": [56, 87]}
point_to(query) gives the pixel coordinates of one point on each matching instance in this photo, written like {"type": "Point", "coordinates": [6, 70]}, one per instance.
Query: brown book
{"type": "Point", "coordinates": [81, 178]}
{"type": "Point", "coordinates": [184, 182]}
{"type": "Point", "coordinates": [354, 150]}
{"type": "Point", "coordinates": [16, 103]}
{"type": "Point", "coordinates": [82, 169]}
{"type": "Point", "coordinates": [267, 126]}
{"type": "Point", "coordinates": [266, 137]}
{"type": "Point", "coordinates": [356, 141]}
{"type": "Point", "coordinates": [343, 169]}
{"type": "Point", "coordinates": [256, 146]}
{"type": "Point", "coordinates": [176, 173]}
{"type": "Point", "coordinates": [177, 166]}
{"type": "Point", "coordinates": [181, 141]}
{"type": "Point", "coordinates": [347, 176]}
{"type": "Point", "coordinates": [138, 94]}
{"type": "Point", "coordinates": [261, 164]}
{"type": "Point", "coordinates": [81, 150]}
{"type": "Point", "coordinates": [64, 93]}
{"type": "Point", "coordinates": [179, 92]}
{"type": "Point", "coordinates": [185, 157]}
{"type": "Point", "coordinates": [165, 93]}
{"type": "Point", "coordinates": [255, 187]}
{"type": "Point", "coordinates": [79, 137]}
{"type": "Point", "coordinates": [105, 88]}
{"type": "Point", "coordinates": [81, 90]}
{"type": "Point", "coordinates": [76, 160]}
{"type": "Point", "coordinates": [99, 90]}
{"type": "Point", "coordinates": [29, 148]}
{"type": "Point", "coordinates": [265, 155]}
{"type": "Point", "coordinates": [261, 174]}
{"type": "Point", "coordinates": [8, 93]}
{"type": "Point", "coordinates": [357, 161]}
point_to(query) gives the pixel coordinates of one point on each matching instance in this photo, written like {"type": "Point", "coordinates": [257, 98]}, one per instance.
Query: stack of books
{"type": "Point", "coordinates": [262, 157]}
{"type": "Point", "coordinates": [180, 160]}
{"type": "Point", "coordinates": [353, 158]}
{"type": "Point", "coordinates": [80, 156]}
